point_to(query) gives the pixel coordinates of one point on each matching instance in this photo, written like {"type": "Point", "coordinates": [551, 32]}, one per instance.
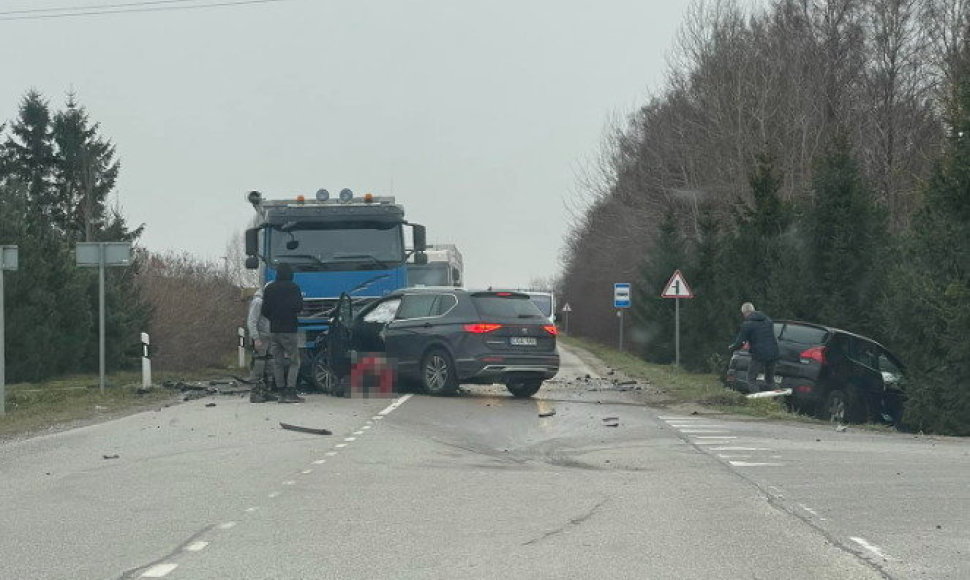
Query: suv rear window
{"type": "Point", "coordinates": [803, 334]}
{"type": "Point", "coordinates": [508, 306]}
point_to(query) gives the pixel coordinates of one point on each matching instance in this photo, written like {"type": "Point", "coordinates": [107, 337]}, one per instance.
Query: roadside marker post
{"type": "Point", "coordinates": [242, 347]}
{"type": "Point", "coordinates": [565, 317]}
{"type": "Point", "coordinates": [146, 362]}
{"type": "Point", "coordinates": [8, 261]}
{"type": "Point", "coordinates": [621, 301]}
{"type": "Point", "coordinates": [677, 288]}
{"type": "Point", "coordinates": [102, 255]}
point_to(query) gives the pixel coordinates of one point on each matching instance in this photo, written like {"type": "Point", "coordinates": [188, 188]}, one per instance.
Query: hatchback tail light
{"type": "Point", "coordinates": [816, 353]}
{"type": "Point", "coordinates": [482, 327]}
{"type": "Point", "coordinates": [551, 329]}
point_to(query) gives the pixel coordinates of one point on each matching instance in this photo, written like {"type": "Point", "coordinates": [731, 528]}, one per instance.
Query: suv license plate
{"type": "Point", "coordinates": [522, 341]}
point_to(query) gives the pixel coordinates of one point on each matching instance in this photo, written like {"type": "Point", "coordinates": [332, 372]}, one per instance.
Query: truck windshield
{"type": "Point", "coordinates": [363, 248]}
{"type": "Point", "coordinates": [428, 275]}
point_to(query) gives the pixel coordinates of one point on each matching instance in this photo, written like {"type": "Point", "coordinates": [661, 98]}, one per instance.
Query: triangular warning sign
{"type": "Point", "coordinates": [677, 287]}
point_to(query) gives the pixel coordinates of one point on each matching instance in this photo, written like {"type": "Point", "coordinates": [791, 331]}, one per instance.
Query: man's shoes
{"type": "Point", "coordinates": [261, 396]}
{"type": "Point", "coordinates": [290, 396]}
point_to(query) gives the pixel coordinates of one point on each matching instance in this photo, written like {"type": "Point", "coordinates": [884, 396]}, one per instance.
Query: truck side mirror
{"type": "Point", "coordinates": [420, 238]}
{"type": "Point", "coordinates": [252, 243]}
{"type": "Point", "coordinates": [252, 263]}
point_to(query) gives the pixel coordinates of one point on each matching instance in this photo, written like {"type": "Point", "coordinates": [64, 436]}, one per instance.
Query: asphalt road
{"type": "Point", "coordinates": [480, 486]}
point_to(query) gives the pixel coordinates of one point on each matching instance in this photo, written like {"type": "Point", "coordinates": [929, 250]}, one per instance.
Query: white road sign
{"type": "Point", "coordinates": [677, 287]}
{"type": "Point", "coordinates": [567, 308]}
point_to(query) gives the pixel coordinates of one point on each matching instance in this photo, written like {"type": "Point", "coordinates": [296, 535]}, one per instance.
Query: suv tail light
{"type": "Point", "coordinates": [551, 329]}
{"type": "Point", "coordinates": [816, 353]}
{"type": "Point", "coordinates": [482, 327]}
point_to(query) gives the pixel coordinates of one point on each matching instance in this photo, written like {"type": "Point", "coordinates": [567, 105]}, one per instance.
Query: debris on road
{"type": "Point", "coordinates": [548, 413]}
{"type": "Point", "coordinates": [770, 394]}
{"type": "Point", "coordinates": [210, 404]}
{"type": "Point", "coordinates": [611, 421]}
{"type": "Point", "coordinates": [840, 428]}
{"type": "Point", "coordinates": [116, 456]}
{"type": "Point", "coordinates": [305, 429]}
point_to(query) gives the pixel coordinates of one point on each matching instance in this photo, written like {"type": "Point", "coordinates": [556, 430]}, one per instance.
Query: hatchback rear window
{"type": "Point", "coordinates": [803, 334]}
{"type": "Point", "coordinates": [499, 306]}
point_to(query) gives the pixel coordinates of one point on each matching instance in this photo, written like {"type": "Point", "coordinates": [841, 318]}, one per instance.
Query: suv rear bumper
{"type": "Point", "coordinates": [496, 368]}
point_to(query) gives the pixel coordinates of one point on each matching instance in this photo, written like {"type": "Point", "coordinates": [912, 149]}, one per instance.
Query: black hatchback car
{"type": "Point", "coordinates": [441, 337]}
{"type": "Point", "coordinates": [835, 374]}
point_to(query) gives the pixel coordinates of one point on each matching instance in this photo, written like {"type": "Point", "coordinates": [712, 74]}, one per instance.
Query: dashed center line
{"type": "Point", "coordinates": [394, 405]}
{"type": "Point", "coordinates": [226, 525]}
{"type": "Point", "coordinates": [754, 464]}
{"type": "Point", "coordinates": [330, 453]}
{"type": "Point", "coordinates": [307, 471]}
{"type": "Point", "coordinates": [250, 510]}
{"type": "Point", "coordinates": [358, 432]}
{"type": "Point", "coordinates": [715, 437]}
{"type": "Point", "coordinates": [349, 439]}
{"type": "Point", "coordinates": [290, 482]}
{"type": "Point", "coordinates": [274, 494]}
{"type": "Point", "coordinates": [159, 570]}
{"type": "Point", "coordinates": [366, 427]}
{"type": "Point", "coordinates": [702, 430]}
{"type": "Point", "coordinates": [340, 445]}
{"type": "Point", "coordinates": [196, 546]}
{"type": "Point", "coordinates": [740, 449]}
{"type": "Point", "coordinates": [320, 461]}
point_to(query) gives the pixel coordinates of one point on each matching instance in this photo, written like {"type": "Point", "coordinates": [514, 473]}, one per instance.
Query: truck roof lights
{"type": "Point", "coordinates": [323, 194]}
{"type": "Point", "coordinates": [346, 195]}
{"type": "Point", "coordinates": [300, 199]}
{"type": "Point", "coordinates": [368, 198]}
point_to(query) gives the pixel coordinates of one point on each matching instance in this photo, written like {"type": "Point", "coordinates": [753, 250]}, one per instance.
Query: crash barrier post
{"type": "Point", "coordinates": [146, 362]}
{"type": "Point", "coordinates": [372, 376]}
{"type": "Point", "coordinates": [242, 347]}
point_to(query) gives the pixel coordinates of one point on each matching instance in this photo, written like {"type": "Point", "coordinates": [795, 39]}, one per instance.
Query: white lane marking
{"type": "Point", "coordinates": [740, 449]}
{"type": "Point", "coordinates": [159, 570]}
{"type": "Point", "coordinates": [733, 456]}
{"type": "Point", "coordinates": [695, 426]}
{"type": "Point", "coordinates": [377, 417]}
{"type": "Point", "coordinates": [350, 439]}
{"type": "Point", "coordinates": [366, 426]}
{"type": "Point", "coordinates": [702, 430]}
{"type": "Point", "coordinates": [289, 483]}
{"type": "Point", "coordinates": [708, 442]}
{"type": "Point", "coordinates": [307, 471]}
{"type": "Point", "coordinates": [340, 445]}
{"type": "Point", "coordinates": [330, 453]}
{"type": "Point", "coordinates": [871, 548]}
{"type": "Point", "coordinates": [319, 461]}
{"type": "Point", "coordinates": [196, 546]}
{"type": "Point", "coordinates": [226, 525]}
{"type": "Point", "coordinates": [808, 509]}
{"type": "Point", "coordinates": [358, 432]}
{"type": "Point", "coordinates": [715, 437]}
{"type": "Point", "coordinates": [390, 408]}
{"type": "Point", "coordinates": [752, 464]}
{"type": "Point", "coordinates": [274, 494]}
{"type": "Point", "coordinates": [250, 510]}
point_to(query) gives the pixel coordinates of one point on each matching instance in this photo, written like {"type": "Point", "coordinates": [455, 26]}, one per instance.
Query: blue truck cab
{"type": "Point", "coordinates": [349, 245]}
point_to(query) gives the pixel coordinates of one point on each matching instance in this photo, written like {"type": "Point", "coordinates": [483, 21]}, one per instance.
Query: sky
{"type": "Point", "coordinates": [477, 116]}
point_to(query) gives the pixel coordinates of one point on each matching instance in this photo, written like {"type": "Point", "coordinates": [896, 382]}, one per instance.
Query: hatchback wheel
{"type": "Point", "coordinates": [523, 389]}
{"type": "Point", "coordinates": [324, 378]}
{"type": "Point", "coordinates": [438, 375]}
{"type": "Point", "coordinates": [837, 407]}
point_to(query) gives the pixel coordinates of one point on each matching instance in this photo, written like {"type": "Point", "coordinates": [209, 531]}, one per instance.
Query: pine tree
{"type": "Point", "coordinates": [653, 331]}
{"type": "Point", "coordinates": [846, 240]}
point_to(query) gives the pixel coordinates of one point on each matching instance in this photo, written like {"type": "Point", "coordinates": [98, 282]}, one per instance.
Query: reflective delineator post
{"type": "Point", "coordinates": [242, 347]}
{"type": "Point", "coordinates": [8, 261]}
{"type": "Point", "coordinates": [146, 363]}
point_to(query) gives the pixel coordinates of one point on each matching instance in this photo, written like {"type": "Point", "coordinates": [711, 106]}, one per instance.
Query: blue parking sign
{"type": "Point", "coordinates": [621, 295]}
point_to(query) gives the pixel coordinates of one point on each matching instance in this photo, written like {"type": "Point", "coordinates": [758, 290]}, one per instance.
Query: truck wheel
{"type": "Point", "coordinates": [523, 389]}
{"type": "Point", "coordinates": [438, 376]}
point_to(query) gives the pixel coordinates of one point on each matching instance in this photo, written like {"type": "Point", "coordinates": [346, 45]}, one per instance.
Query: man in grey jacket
{"type": "Point", "coordinates": [258, 327]}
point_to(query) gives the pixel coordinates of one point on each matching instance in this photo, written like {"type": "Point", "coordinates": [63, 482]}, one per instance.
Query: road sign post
{"type": "Point", "coordinates": [101, 255]}
{"type": "Point", "coordinates": [621, 301]}
{"type": "Point", "coordinates": [8, 261]}
{"type": "Point", "coordinates": [565, 317]}
{"type": "Point", "coordinates": [677, 288]}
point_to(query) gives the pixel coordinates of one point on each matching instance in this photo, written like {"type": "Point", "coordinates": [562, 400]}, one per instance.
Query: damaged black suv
{"type": "Point", "coordinates": [442, 337]}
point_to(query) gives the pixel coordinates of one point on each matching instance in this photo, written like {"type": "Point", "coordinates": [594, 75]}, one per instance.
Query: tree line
{"type": "Point", "coordinates": [57, 176]}
{"type": "Point", "coordinates": [811, 157]}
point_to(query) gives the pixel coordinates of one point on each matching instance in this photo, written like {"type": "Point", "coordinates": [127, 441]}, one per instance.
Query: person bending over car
{"type": "Point", "coordinates": [758, 331]}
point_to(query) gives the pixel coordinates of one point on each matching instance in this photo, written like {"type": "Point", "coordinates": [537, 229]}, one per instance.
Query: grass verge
{"type": "Point", "coordinates": [77, 400]}
{"type": "Point", "coordinates": [679, 387]}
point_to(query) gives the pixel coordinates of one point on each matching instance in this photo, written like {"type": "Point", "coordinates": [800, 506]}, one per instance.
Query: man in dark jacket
{"type": "Point", "coordinates": [758, 331]}
{"type": "Point", "coordinates": [282, 302]}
